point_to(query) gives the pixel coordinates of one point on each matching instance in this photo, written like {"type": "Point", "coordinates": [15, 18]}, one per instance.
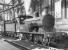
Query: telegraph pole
{"type": "Point", "coordinates": [4, 17]}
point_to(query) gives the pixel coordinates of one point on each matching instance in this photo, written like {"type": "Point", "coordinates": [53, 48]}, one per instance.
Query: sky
{"type": "Point", "coordinates": [26, 5]}
{"type": "Point", "coordinates": [7, 1]}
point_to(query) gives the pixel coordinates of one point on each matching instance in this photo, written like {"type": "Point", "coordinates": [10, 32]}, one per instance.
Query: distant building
{"type": "Point", "coordinates": [61, 9]}
{"type": "Point", "coordinates": [64, 5]}
{"type": "Point", "coordinates": [61, 15]}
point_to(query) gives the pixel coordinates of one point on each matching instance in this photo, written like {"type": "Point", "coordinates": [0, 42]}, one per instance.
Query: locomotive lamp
{"type": "Point", "coordinates": [21, 18]}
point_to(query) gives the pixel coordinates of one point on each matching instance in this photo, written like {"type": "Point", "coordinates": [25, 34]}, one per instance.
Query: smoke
{"type": "Point", "coordinates": [27, 6]}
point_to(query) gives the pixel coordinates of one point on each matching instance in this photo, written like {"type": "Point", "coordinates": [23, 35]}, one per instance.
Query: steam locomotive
{"type": "Point", "coordinates": [36, 29]}
{"type": "Point", "coordinates": [39, 30]}
{"type": "Point", "coordinates": [33, 29]}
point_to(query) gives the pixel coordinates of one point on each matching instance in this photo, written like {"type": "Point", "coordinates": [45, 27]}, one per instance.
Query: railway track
{"type": "Point", "coordinates": [17, 45]}
{"type": "Point", "coordinates": [24, 45]}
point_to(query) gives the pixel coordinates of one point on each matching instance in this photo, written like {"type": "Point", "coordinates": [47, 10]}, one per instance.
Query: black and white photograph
{"type": "Point", "coordinates": [33, 24]}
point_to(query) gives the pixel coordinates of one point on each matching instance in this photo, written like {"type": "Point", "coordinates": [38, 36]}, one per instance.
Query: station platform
{"type": "Point", "coordinates": [30, 46]}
